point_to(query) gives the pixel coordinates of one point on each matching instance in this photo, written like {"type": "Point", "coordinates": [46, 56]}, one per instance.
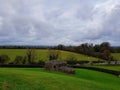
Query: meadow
{"type": "Point", "coordinates": [117, 68]}
{"type": "Point", "coordinates": [39, 79]}
{"type": "Point", "coordinates": [116, 56]}
{"type": "Point", "coordinates": [42, 54]}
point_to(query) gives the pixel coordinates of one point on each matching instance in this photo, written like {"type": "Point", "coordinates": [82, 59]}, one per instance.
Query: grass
{"type": "Point", "coordinates": [116, 56]}
{"type": "Point", "coordinates": [42, 54]}
{"type": "Point", "coordinates": [38, 79]}
{"type": "Point", "coordinates": [117, 68]}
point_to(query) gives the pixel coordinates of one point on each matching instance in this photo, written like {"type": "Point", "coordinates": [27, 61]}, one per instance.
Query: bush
{"type": "Point", "coordinates": [42, 63]}
{"type": "Point", "coordinates": [31, 56]}
{"type": "Point", "coordinates": [4, 59]}
{"type": "Point", "coordinates": [83, 62]}
{"type": "Point", "coordinates": [98, 61]}
{"type": "Point", "coordinates": [53, 54]}
{"type": "Point", "coordinates": [71, 60]}
{"type": "Point", "coordinates": [18, 60]}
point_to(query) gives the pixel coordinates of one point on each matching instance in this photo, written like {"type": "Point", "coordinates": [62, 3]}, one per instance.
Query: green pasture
{"type": "Point", "coordinates": [39, 79]}
{"type": "Point", "coordinates": [42, 54]}
{"type": "Point", "coordinates": [117, 68]}
{"type": "Point", "coordinates": [116, 56]}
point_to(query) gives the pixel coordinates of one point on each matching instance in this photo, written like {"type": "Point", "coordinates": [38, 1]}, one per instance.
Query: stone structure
{"type": "Point", "coordinates": [58, 65]}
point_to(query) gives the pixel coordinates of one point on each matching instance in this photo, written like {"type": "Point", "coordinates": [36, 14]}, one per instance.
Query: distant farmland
{"type": "Point", "coordinates": [42, 54]}
{"type": "Point", "coordinates": [116, 56]}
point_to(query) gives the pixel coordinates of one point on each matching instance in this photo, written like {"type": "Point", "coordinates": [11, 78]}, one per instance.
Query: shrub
{"type": "Point", "coordinates": [31, 55]}
{"type": "Point", "coordinates": [24, 61]}
{"type": "Point", "coordinates": [83, 62]}
{"type": "Point", "coordinates": [42, 63]}
{"type": "Point", "coordinates": [53, 54]}
{"type": "Point", "coordinates": [18, 60]}
{"type": "Point", "coordinates": [4, 59]}
{"type": "Point", "coordinates": [71, 60]}
{"type": "Point", "coordinates": [98, 61]}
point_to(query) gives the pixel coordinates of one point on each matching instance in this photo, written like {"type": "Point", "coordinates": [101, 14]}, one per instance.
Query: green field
{"type": "Point", "coordinates": [117, 68]}
{"type": "Point", "coordinates": [42, 54]}
{"type": "Point", "coordinates": [116, 56]}
{"type": "Point", "coordinates": [38, 79]}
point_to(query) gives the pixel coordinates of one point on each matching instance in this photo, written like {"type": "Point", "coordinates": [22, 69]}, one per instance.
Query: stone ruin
{"type": "Point", "coordinates": [58, 65]}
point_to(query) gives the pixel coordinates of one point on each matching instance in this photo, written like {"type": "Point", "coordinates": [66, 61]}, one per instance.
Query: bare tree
{"type": "Point", "coordinates": [53, 54]}
{"type": "Point", "coordinates": [31, 56]}
{"type": "Point", "coordinates": [4, 59]}
{"type": "Point", "coordinates": [18, 60]}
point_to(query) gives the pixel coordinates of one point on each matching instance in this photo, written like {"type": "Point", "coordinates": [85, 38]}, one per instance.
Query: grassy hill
{"type": "Point", "coordinates": [42, 54]}
{"type": "Point", "coordinates": [117, 68]}
{"type": "Point", "coordinates": [116, 55]}
{"type": "Point", "coordinates": [38, 79]}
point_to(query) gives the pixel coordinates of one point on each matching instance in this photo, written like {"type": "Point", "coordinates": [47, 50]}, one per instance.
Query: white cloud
{"type": "Point", "coordinates": [50, 22]}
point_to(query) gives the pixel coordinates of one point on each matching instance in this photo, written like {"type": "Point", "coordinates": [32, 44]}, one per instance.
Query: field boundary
{"type": "Point", "coordinates": [21, 66]}
{"type": "Point", "coordinates": [113, 72]}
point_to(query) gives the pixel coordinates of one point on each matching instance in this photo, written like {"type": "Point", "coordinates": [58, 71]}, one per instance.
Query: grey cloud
{"type": "Point", "coordinates": [50, 22]}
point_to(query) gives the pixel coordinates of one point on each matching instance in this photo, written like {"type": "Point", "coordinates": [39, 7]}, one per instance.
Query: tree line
{"type": "Point", "coordinates": [102, 50]}
{"type": "Point", "coordinates": [30, 58]}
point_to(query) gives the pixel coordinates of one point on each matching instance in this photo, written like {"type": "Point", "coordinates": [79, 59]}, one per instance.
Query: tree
{"type": "Point", "coordinates": [31, 56]}
{"type": "Point", "coordinates": [18, 60]}
{"type": "Point", "coordinates": [4, 59]}
{"type": "Point", "coordinates": [53, 54]}
{"type": "Point", "coordinates": [60, 47]}
{"type": "Point", "coordinates": [97, 48]}
{"type": "Point", "coordinates": [106, 53]}
{"type": "Point", "coordinates": [24, 60]}
{"type": "Point", "coordinates": [105, 46]}
{"type": "Point", "coordinates": [42, 63]}
{"type": "Point", "coordinates": [72, 60]}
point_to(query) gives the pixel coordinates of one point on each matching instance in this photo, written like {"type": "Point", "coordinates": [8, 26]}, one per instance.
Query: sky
{"type": "Point", "coordinates": [53, 22]}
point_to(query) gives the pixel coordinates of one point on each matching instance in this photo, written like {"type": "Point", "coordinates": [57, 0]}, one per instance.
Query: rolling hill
{"type": "Point", "coordinates": [42, 54]}
{"type": "Point", "coordinates": [116, 68]}
{"type": "Point", "coordinates": [116, 56]}
{"type": "Point", "coordinates": [38, 79]}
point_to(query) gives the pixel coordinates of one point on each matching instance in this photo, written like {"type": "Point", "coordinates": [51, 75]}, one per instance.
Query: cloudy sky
{"type": "Point", "coordinates": [53, 22]}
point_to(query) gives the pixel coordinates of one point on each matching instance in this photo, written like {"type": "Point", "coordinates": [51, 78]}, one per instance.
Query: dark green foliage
{"type": "Point", "coordinates": [31, 56]}
{"type": "Point", "coordinates": [60, 47]}
{"type": "Point", "coordinates": [53, 54]}
{"type": "Point", "coordinates": [72, 60]}
{"type": "Point", "coordinates": [18, 60]}
{"type": "Point", "coordinates": [83, 62]}
{"type": "Point", "coordinates": [98, 61]}
{"type": "Point", "coordinates": [116, 49]}
{"type": "Point", "coordinates": [42, 63]}
{"type": "Point", "coordinates": [102, 50]}
{"type": "Point", "coordinates": [4, 59]}
{"type": "Point", "coordinates": [24, 61]}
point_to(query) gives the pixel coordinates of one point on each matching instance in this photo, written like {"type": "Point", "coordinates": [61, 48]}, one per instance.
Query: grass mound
{"type": "Point", "coordinates": [38, 79]}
